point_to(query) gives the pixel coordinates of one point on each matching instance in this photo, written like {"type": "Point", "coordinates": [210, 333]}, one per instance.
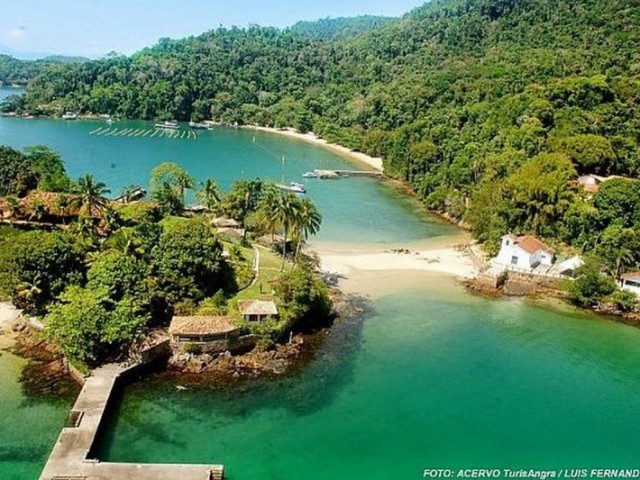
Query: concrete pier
{"type": "Point", "coordinates": [70, 460]}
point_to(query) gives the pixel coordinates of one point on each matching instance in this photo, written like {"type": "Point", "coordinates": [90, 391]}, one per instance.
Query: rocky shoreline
{"type": "Point", "coordinates": [259, 363]}
{"type": "Point", "coordinates": [47, 373]}
{"type": "Point", "coordinates": [539, 291]}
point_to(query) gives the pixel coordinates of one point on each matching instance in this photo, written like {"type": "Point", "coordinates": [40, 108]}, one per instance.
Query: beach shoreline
{"type": "Point", "coordinates": [362, 158]}
{"type": "Point", "coordinates": [361, 269]}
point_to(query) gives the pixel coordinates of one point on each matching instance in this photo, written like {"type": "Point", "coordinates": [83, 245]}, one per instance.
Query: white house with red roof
{"type": "Point", "coordinates": [525, 252]}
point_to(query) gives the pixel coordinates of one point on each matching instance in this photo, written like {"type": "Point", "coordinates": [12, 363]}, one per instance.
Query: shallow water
{"type": "Point", "coordinates": [29, 425]}
{"type": "Point", "coordinates": [430, 382]}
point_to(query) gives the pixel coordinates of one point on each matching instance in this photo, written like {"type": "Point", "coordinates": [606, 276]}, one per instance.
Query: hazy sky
{"type": "Point", "coordinates": [94, 27]}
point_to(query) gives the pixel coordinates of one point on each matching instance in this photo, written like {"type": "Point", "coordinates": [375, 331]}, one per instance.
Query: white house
{"type": "Point", "coordinates": [631, 282]}
{"type": "Point", "coordinates": [524, 252]}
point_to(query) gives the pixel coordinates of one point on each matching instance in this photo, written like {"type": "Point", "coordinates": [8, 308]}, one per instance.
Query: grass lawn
{"type": "Point", "coordinates": [270, 264]}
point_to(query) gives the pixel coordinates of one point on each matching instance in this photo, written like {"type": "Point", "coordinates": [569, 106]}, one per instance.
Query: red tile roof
{"type": "Point", "coordinates": [630, 276]}
{"type": "Point", "coordinates": [531, 245]}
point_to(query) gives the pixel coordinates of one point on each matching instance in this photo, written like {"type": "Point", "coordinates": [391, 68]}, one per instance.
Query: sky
{"type": "Point", "coordinates": [97, 27]}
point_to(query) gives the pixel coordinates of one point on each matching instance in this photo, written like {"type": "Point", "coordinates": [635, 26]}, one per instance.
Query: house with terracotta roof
{"type": "Point", "coordinates": [631, 282]}
{"type": "Point", "coordinates": [258, 310]}
{"type": "Point", "coordinates": [525, 252]}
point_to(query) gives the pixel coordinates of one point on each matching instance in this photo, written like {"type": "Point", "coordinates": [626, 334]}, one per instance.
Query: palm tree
{"type": "Point", "coordinates": [285, 213]}
{"type": "Point", "coordinates": [126, 242]}
{"type": "Point", "coordinates": [92, 194]}
{"type": "Point", "coordinates": [266, 208]}
{"type": "Point", "coordinates": [210, 195]}
{"type": "Point", "coordinates": [111, 220]}
{"type": "Point", "coordinates": [307, 222]}
{"type": "Point", "coordinates": [63, 203]}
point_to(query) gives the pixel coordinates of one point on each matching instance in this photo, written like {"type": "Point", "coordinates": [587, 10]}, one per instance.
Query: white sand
{"type": "Point", "coordinates": [375, 163]}
{"type": "Point", "coordinates": [362, 270]}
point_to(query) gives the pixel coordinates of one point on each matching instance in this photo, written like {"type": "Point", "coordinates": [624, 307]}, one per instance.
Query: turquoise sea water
{"type": "Point", "coordinates": [429, 383]}
{"type": "Point", "coordinates": [353, 208]}
{"type": "Point", "coordinates": [429, 380]}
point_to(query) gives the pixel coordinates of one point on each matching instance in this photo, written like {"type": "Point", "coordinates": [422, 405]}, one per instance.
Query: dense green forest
{"type": "Point", "coordinates": [339, 28]}
{"type": "Point", "coordinates": [488, 109]}
{"type": "Point", "coordinates": [20, 72]}
{"type": "Point", "coordinates": [104, 272]}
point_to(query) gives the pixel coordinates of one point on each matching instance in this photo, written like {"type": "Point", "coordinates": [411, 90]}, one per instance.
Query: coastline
{"type": "Point", "coordinates": [373, 270]}
{"type": "Point", "coordinates": [372, 162]}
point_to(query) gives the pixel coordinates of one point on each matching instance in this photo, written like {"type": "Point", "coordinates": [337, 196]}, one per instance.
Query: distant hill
{"type": "Point", "coordinates": [65, 59]}
{"type": "Point", "coordinates": [339, 28]}
{"type": "Point", "coordinates": [20, 72]}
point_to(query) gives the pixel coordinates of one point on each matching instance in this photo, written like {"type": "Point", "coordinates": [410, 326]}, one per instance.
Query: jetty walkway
{"type": "Point", "coordinates": [71, 455]}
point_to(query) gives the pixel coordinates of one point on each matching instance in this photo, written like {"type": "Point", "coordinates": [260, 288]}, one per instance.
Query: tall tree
{"type": "Point", "coordinates": [210, 194]}
{"type": "Point", "coordinates": [307, 222]}
{"type": "Point", "coordinates": [91, 194]}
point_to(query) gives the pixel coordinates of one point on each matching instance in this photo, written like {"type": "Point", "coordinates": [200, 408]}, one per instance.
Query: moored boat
{"type": "Point", "coordinates": [293, 187]}
{"type": "Point", "coordinates": [168, 124]}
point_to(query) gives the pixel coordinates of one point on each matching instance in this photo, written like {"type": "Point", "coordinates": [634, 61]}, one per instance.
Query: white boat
{"type": "Point", "coordinates": [169, 125]}
{"type": "Point", "coordinates": [310, 175]}
{"type": "Point", "coordinates": [197, 125]}
{"type": "Point", "coordinates": [293, 187]}
{"type": "Point", "coordinates": [69, 116]}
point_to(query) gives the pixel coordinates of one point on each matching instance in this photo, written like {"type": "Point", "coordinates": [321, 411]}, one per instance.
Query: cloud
{"type": "Point", "coordinates": [17, 33]}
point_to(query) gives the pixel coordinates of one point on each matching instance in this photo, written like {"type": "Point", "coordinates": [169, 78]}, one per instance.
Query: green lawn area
{"type": "Point", "coordinates": [270, 264]}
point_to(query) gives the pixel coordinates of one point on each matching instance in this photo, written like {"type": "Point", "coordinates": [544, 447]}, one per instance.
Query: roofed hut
{"type": "Point", "coordinates": [258, 310]}
{"type": "Point", "coordinates": [202, 329]}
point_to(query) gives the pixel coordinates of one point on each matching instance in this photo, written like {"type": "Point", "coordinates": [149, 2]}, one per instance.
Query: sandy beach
{"type": "Point", "coordinates": [372, 162]}
{"type": "Point", "coordinates": [364, 270]}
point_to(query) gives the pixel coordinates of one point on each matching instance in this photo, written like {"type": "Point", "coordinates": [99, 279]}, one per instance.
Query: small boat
{"type": "Point", "coordinates": [169, 125]}
{"type": "Point", "coordinates": [69, 116]}
{"type": "Point", "coordinates": [180, 388]}
{"type": "Point", "coordinates": [310, 175]}
{"type": "Point", "coordinates": [197, 125]}
{"type": "Point", "coordinates": [293, 187]}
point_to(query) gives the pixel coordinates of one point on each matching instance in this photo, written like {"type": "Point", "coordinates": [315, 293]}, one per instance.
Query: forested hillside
{"type": "Point", "coordinates": [489, 109]}
{"type": "Point", "coordinates": [19, 72]}
{"type": "Point", "coordinates": [340, 28]}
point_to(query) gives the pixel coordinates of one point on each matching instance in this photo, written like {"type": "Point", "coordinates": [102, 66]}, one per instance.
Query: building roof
{"type": "Point", "coordinates": [630, 276]}
{"type": "Point", "coordinates": [225, 222]}
{"type": "Point", "coordinates": [258, 307]}
{"type": "Point", "coordinates": [201, 325]}
{"type": "Point", "coordinates": [531, 244]}
{"type": "Point", "coordinates": [571, 264]}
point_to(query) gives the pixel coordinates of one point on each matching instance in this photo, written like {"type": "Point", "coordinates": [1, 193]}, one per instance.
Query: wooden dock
{"type": "Point", "coordinates": [71, 455]}
{"type": "Point", "coordinates": [337, 174]}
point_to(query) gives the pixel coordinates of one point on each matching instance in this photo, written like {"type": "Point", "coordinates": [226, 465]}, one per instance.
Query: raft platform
{"type": "Point", "coordinates": [71, 455]}
{"type": "Point", "coordinates": [336, 174]}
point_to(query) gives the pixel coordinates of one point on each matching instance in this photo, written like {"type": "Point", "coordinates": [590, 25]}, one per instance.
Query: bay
{"type": "Point", "coordinates": [430, 379]}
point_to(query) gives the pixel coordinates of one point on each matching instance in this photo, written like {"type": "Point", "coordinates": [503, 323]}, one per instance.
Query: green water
{"type": "Point", "coordinates": [29, 425]}
{"type": "Point", "coordinates": [428, 380]}
{"type": "Point", "coordinates": [458, 382]}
